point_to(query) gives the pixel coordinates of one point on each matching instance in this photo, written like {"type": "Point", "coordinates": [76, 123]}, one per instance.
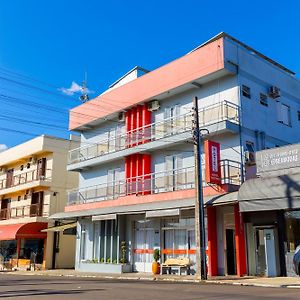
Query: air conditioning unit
{"type": "Point", "coordinates": [121, 116]}
{"type": "Point", "coordinates": [250, 158]}
{"type": "Point", "coordinates": [153, 105]}
{"type": "Point", "coordinates": [274, 92]}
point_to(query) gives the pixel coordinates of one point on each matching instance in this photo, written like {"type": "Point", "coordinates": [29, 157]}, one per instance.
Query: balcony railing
{"type": "Point", "coordinates": [208, 115]}
{"type": "Point", "coordinates": [23, 178]}
{"type": "Point", "coordinates": [153, 183]}
{"type": "Point", "coordinates": [32, 210]}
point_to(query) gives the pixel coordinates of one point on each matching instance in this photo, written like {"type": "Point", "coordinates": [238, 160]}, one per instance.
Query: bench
{"type": "Point", "coordinates": [179, 264]}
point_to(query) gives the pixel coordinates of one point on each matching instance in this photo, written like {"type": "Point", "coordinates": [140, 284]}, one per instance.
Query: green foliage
{"type": "Point", "coordinates": [156, 255]}
{"type": "Point", "coordinates": [115, 261]}
{"type": "Point", "coordinates": [123, 252]}
{"type": "Point", "coordinates": [95, 260]}
{"type": "Point", "coordinates": [108, 261]}
{"type": "Point", "coordinates": [102, 260]}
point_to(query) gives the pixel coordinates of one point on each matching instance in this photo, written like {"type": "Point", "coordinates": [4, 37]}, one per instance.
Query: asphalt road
{"type": "Point", "coordinates": [42, 287]}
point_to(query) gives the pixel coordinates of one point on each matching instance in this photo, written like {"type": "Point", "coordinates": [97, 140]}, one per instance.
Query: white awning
{"type": "Point", "coordinates": [60, 227]}
{"type": "Point", "coordinates": [104, 217]}
{"type": "Point", "coordinates": [162, 213]}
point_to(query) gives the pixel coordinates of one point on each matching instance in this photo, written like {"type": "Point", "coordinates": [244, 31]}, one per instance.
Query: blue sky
{"type": "Point", "coordinates": [54, 42]}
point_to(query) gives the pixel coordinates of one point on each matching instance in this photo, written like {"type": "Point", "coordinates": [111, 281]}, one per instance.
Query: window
{"type": "Point", "coordinates": [246, 91]}
{"type": "Point", "coordinates": [263, 99]}
{"type": "Point", "coordinates": [284, 114]}
{"type": "Point", "coordinates": [298, 115]}
{"type": "Point", "coordinates": [250, 146]}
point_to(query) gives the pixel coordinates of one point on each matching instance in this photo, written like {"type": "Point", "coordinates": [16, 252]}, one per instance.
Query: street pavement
{"type": "Point", "coordinates": [43, 287]}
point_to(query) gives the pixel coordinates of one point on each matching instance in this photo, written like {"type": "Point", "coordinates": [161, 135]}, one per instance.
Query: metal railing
{"type": "Point", "coordinates": [208, 115]}
{"type": "Point", "coordinates": [153, 183]}
{"type": "Point", "coordinates": [23, 178]}
{"type": "Point", "coordinates": [32, 210]}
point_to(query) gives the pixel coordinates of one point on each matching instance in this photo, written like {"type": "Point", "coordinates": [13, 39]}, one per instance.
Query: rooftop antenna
{"type": "Point", "coordinates": [84, 90]}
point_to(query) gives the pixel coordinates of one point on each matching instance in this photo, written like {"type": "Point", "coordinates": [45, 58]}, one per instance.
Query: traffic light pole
{"type": "Point", "coordinates": [199, 205]}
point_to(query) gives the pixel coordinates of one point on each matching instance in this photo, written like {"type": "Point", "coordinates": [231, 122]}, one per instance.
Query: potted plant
{"type": "Point", "coordinates": [156, 264]}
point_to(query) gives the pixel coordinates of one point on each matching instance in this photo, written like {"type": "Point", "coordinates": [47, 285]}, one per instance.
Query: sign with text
{"type": "Point", "coordinates": [278, 159]}
{"type": "Point", "coordinates": [212, 162]}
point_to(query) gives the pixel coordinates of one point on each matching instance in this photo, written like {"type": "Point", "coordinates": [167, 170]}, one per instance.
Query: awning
{"type": "Point", "coordinates": [60, 228]}
{"type": "Point", "coordinates": [104, 217]}
{"type": "Point", "coordinates": [270, 193]}
{"type": "Point", "coordinates": [224, 199]}
{"type": "Point", "coordinates": [27, 230]}
{"type": "Point", "coordinates": [162, 213]}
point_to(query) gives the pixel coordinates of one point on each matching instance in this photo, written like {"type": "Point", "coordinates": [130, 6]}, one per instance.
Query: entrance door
{"type": "Point", "coordinates": [5, 209]}
{"type": "Point", "coordinates": [36, 208]}
{"type": "Point", "coordinates": [266, 244]}
{"type": "Point", "coordinates": [41, 169]}
{"type": "Point", "coordinates": [145, 237]}
{"type": "Point", "coordinates": [260, 250]}
{"type": "Point", "coordinates": [230, 252]}
{"type": "Point", "coordinates": [9, 178]}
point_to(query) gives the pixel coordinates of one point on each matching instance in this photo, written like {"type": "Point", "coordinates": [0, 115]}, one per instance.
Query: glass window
{"type": "Point", "coordinates": [83, 242]}
{"type": "Point", "coordinates": [246, 91]}
{"type": "Point", "coordinates": [263, 99]}
{"type": "Point", "coordinates": [292, 230]}
{"type": "Point", "coordinates": [32, 249]}
{"type": "Point", "coordinates": [8, 250]}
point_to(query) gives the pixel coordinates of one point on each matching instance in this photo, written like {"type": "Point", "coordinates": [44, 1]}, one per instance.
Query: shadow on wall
{"type": "Point", "coordinates": [291, 186]}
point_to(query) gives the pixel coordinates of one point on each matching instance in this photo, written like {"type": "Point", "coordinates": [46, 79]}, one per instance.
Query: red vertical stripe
{"type": "Point", "coordinates": [212, 241]}
{"type": "Point", "coordinates": [240, 247]}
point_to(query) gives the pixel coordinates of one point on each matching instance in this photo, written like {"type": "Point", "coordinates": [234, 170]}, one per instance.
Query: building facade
{"type": "Point", "coordinates": [270, 204]}
{"type": "Point", "coordinates": [136, 161]}
{"type": "Point", "coordinates": [33, 185]}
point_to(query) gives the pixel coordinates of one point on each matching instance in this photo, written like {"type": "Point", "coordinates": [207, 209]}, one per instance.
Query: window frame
{"type": "Point", "coordinates": [246, 91]}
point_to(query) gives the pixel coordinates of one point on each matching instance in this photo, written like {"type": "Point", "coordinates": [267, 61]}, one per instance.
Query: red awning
{"type": "Point", "coordinates": [17, 231]}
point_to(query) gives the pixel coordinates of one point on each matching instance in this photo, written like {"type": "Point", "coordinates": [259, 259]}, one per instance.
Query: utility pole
{"type": "Point", "coordinates": [199, 205]}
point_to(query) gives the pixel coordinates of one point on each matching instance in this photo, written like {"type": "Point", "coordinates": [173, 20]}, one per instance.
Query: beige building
{"type": "Point", "coordinates": [33, 185]}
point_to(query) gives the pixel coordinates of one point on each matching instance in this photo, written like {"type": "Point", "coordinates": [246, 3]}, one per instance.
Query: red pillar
{"type": "Point", "coordinates": [146, 116]}
{"type": "Point", "coordinates": [240, 245]}
{"type": "Point", "coordinates": [146, 160]}
{"type": "Point", "coordinates": [212, 241]}
{"type": "Point", "coordinates": [128, 127]}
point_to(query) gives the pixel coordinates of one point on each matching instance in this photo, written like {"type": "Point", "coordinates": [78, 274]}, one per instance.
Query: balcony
{"type": "Point", "coordinates": [220, 117]}
{"type": "Point", "coordinates": [32, 210]}
{"type": "Point", "coordinates": [25, 181]}
{"type": "Point", "coordinates": [153, 183]}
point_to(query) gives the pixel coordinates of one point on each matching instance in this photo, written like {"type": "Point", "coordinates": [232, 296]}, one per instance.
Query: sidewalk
{"type": "Point", "coordinates": [279, 282]}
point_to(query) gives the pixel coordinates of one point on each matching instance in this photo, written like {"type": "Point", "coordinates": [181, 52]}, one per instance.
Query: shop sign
{"type": "Point", "coordinates": [212, 162]}
{"type": "Point", "coordinates": [278, 158]}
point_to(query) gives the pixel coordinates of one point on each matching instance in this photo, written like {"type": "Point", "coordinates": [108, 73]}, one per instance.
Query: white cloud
{"type": "Point", "coordinates": [2, 147]}
{"type": "Point", "coordinates": [74, 89]}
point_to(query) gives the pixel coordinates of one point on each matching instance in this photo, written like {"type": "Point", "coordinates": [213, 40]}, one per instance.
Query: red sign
{"type": "Point", "coordinates": [212, 162]}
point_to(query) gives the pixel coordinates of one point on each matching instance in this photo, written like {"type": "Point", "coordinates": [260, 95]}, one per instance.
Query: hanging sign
{"type": "Point", "coordinates": [212, 162]}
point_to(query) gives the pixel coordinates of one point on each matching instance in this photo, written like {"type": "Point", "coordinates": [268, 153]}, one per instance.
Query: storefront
{"type": "Point", "coordinates": [271, 208]}
{"type": "Point", "coordinates": [22, 245]}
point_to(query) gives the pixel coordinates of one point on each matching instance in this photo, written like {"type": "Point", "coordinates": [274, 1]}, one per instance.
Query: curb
{"type": "Point", "coordinates": [166, 279]}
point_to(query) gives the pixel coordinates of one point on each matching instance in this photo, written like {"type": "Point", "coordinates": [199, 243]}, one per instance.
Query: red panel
{"type": "Point", "coordinates": [240, 242]}
{"type": "Point", "coordinates": [212, 162]}
{"type": "Point", "coordinates": [128, 120]}
{"type": "Point", "coordinates": [212, 241]}
{"type": "Point", "coordinates": [146, 170]}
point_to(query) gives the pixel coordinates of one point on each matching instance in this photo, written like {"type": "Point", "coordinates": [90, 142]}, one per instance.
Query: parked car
{"type": "Point", "coordinates": [296, 261]}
